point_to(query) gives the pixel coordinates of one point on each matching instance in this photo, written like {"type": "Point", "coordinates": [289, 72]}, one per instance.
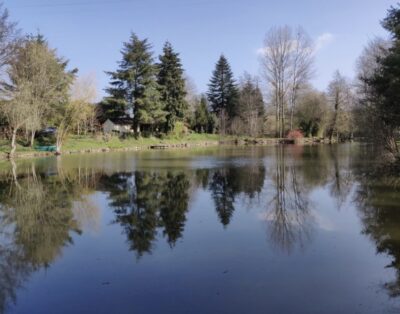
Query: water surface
{"type": "Point", "coordinates": [222, 230]}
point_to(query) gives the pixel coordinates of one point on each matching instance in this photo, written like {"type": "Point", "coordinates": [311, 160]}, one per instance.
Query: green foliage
{"type": "Point", "coordinates": [204, 121]}
{"type": "Point", "coordinates": [312, 113]}
{"type": "Point", "coordinates": [149, 112]}
{"type": "Point", "coordinates": [172, 86]}
{"type": "Point", "coordinates": [39, 81]}
{"type": "Point", "coordinates": [111, 107]}
{"type": "Point", "coordinates": [134, 87]}
{"type": "Point", "coordinates": [223, 92]}
{"type": "Point", "coordinates": [179, 131]}
{"type": "Point", "coordinates": [384, 85]}
{"type": "Point", "coordinates": [392, 22]}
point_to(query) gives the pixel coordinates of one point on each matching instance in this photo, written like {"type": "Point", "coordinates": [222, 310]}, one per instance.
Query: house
{"type": "Point", "coordinates": [121, 126]}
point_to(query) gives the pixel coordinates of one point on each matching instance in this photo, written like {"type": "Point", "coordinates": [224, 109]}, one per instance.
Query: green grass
{"type": "Point", "coordinates": [5, 147]}
{"type": "Point", "coordinates": [75, 143]}
{"type": "Point", "coordinates": [79, 143]}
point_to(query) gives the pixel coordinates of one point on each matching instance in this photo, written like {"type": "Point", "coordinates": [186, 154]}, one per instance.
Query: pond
{"type": "Point", "coordinates": [292, 229]}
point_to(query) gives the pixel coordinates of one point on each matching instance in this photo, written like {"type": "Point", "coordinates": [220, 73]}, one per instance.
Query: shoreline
{"type": "Point", "coordinates": [171, 145]}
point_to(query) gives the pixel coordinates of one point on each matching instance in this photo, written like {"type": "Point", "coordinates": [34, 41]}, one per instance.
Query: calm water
{"type": "Point", "coordinates": [223, 230]}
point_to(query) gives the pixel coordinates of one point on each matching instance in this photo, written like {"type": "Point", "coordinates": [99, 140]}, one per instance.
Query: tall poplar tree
{"type": "Point", "coordinates": [223, 92]}
{"type": "Point", "coordinates": [172, 86]}
{"type": "Point", "coordinates": [134, 86]}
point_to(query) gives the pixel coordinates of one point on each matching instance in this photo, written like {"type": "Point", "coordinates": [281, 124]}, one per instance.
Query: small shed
{"type": "Point", "coordinates": [121, 126]}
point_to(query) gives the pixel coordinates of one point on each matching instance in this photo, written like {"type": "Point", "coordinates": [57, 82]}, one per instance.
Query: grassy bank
{"type": "Point", "coordinates": [81, 143]}
{"type": "Point", "coordinates": [86, 143]}
{"type": "Point", "coordinates": [99, 143]}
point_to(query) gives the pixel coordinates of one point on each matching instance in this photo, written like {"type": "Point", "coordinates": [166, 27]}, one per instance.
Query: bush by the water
{"type": "Point", "coordinates": [295, 135]}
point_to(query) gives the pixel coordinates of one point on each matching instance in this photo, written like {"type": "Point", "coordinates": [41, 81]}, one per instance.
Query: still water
{"type": "Point", "coordinates": [221, 230]}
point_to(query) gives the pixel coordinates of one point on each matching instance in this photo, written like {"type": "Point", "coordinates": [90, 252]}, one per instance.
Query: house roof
{"type": "Point", "coordinates": [121, 121]}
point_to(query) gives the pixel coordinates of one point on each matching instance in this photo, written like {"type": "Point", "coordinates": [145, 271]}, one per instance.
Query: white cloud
{"type": "Point", "coordinates": [323, 40]}
{"type": "Point", "coordinates": [261, 51]}
{"type": "Point", "coordinates": [320, 43]}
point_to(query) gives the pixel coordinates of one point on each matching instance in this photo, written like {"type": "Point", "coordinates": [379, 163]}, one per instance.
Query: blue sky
{"type": "Point", "coordinates": [90, 32]}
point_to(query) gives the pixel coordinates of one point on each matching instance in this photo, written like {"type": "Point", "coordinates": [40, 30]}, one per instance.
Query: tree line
{"type": "Point", "coordinates": [39, 90]}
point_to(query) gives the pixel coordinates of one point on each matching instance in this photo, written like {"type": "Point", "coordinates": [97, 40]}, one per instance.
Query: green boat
{"type": "Point", "coordinates": [46, 148]}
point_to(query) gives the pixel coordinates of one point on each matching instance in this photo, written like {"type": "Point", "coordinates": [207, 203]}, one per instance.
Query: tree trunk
{"type": "Point", "coordinates": [277, 119]}
{"type": "Point", "coordinates": [58, 148]}
{"type": "Point", "coordinates": [13, 143]}
{"type": "Point", "coordinates": [291, 118]}
{"type": "Point", "coordinates": [32, 138]}
{"type": "Point", "coordinates": [14, 173]}
{"type": "Point", "coordinates": [59, 141]}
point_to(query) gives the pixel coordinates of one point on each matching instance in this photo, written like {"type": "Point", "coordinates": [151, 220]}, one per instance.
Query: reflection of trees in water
{"type": "Point", "coordinates": [378, 201]}
{"type": "Point", "coordinates": [146, 201]}
{"type": "Point", "coordinates": [289, 216]}
{"type": "Point", "coordinates": [39, 213]}
{"type": "Point", "coordinates": [223, 196]}
{"type": "Point", "coordinates": [315, 166]}
{"type": "Point", "coordinates": [228, 183]}
{"type": "Point", "coordinates": [341, 177]}
{"type": "Point", "coordinates": [13, 271]}
{"type": "Point", "coordinates": [36, 220]}
{"type": "Point", "coordinates": [174, 205]}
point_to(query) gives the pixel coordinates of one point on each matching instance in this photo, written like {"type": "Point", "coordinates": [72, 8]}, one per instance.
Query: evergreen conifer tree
{"type": "Point", "coordinates": [172, 86]}
{"type": "Point", "coordinates": [134, 86]}
{"type": "Point", "coordinates": [223, 92]}
{"type": "Point", "coordinates": [383, 86]}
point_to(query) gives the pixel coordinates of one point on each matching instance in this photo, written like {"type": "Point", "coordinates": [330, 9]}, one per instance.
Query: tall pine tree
{"type": "Point", "coordinates": [134, 86]}
{"type": "Point", "coordinates": [172, 86]}
{"type": "Point", "coordinates": [223, 92]}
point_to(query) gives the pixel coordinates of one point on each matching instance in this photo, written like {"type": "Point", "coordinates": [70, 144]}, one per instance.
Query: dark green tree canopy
{"type": "Point", "coordinates": [223, 92]}
{"type": "Point", "coordinates": [392, 22]}
{"type": "Point", "coordinates": [204, 121]}
{"type": "Point", "coordinates": [201, 116]}
{"type": "Point", "coordinates": [172, 86]}
{"type": "Point", "coordinates": [384, 85]}
{"type": "Point", "coordinates": [134, 83]}
{"type": "Point", "coordinates": [386, 81]}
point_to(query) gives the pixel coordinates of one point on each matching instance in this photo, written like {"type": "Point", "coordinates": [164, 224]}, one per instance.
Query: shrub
{"type": "Point", "coordinates": [179, 131]}
{"type": "Point", "coordinates": [295, 134]}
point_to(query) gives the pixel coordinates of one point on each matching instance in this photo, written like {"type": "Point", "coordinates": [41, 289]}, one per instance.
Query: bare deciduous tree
{"type": "Point", "coordinates": [276, 67]}
{"type": "Point", "coordinates": [341, 99]}
{"type": "Point", "coordinates": [70, 120]}
{"type": "Point", "coordinates": [287, 63]}
{"type": "Point", "coordinates": [9, 38]}
{"type": "Point", "coordinates": [302, 68]}
{"type": "Point", "coordinates": [15, 109]}
{"type": "Point", "coordinates": [83, 96]}
{"type": "Point", "coordinates": [251, 106]}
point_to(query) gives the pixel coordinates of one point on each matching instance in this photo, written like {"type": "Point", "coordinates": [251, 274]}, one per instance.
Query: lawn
{"type": "Point", "coordinates": [77, 143]}
{"type": "Point", "coordinates": [5, 147]}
